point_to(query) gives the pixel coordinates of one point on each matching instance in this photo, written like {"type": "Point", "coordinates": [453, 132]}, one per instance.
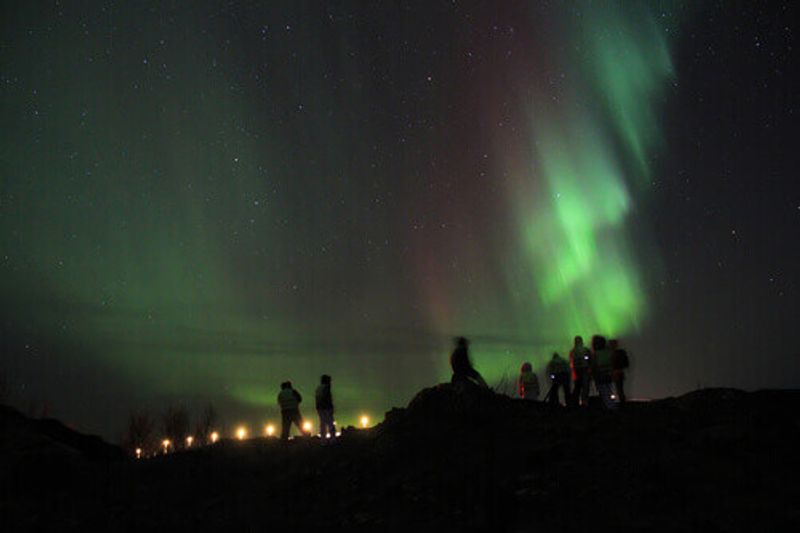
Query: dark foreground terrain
{"type": "Point", "coordinates": [712, 460]}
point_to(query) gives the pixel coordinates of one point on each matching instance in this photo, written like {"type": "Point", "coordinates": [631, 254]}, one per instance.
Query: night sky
{"type": "Point", "coordinates": [199, 200]}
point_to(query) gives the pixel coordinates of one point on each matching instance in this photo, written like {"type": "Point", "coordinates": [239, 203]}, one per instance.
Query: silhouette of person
{"type": "Point", "coordinates": [527, 383]}
{"type": "Point", "coordinates": [324, 403]}
{"type": "Point", "coordinates": [619, 362]}
{"type": "Point", "coordinates": [579, 361]}
{"type": "Point", "coordinates": [463, 371]}
{"type": "Point", "coordinates": [558, 370]}
{"type": "Point", "coordinates": [601, 370]}
{"type": "Point", "coordinates": [289, 402]}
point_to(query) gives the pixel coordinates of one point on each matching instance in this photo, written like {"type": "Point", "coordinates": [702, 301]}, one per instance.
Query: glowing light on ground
{"type": "Point", "coordinates": [138, 453]}
{"type": "Point", "coordinates": [364, 420]}
{"type": "Point", "coordinates": [214, 437]}
{"type": "Point", "coordinates": [189, 441]}
{"type": "Point", "coordinates": [241, 433]}
{"type": "Point", "coordinates": [269, 430]}
{"type": "Point", "coordinates": [307, 426]}
{"type": "Point", "coordinates": [166, 443]}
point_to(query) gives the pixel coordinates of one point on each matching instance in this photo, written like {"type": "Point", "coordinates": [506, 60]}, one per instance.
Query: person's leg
{"type": "Point", "coordinates": [578, 389]}
{"type": "Point", "coordinates": [604, 392]}
{"type": "Point", "coordinates": [331, 426]}
{"type": "Point", "coordinates": [552, 394]}
{"type": "Point", "coordinates": [324, 422]}
{"type": "Point", "coordinates": [621, 389]}
{"type": "Point", "coordinates": [585, 390]}
{"type": "Point", "coordinates": [604, 389]}
{"type": "Point", "coordinates": [612, 404]}
{"type": "Point", "coordinates": [566, 382]}
{"type": "Point", "coordinates": [286, 424]}
{"type": "Point", "coordinates": [298, 421]}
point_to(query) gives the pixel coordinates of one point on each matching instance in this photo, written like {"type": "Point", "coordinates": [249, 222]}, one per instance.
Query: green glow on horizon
{"type": "Point", "coordinates": [199, 218]}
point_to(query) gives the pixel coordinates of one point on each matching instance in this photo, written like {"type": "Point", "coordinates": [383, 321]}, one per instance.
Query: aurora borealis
{"type": "Point", "coordinates": [589, 152]}
{"type": "Point", "coordinates": [202, 200]}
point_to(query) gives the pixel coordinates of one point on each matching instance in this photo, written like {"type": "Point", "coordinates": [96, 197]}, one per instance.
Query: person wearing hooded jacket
{"type": "Point", "coordinates": [289, 402]}
{"type": "Point", "coordinates": [558, 370]}
{"type": "Point", "coordinates": [580, 361]}
{"type": "Point", "coordinates": [527, 383]}
{"type": "Point", "coordinates": [601, 370]}
{"type": "Point", "coordinates": [619, 362]}
{"type": "Point", "coordinates": [324, 404]}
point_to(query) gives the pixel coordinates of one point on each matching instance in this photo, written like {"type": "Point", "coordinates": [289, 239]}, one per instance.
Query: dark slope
{"type": "Point", "coordinates": [20, 434]}
{"type": "Point", "coordinates": [716, 460]}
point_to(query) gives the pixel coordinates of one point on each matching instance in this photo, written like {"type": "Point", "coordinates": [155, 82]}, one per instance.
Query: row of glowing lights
{"type": "Point", "coordinates": [241, 434]}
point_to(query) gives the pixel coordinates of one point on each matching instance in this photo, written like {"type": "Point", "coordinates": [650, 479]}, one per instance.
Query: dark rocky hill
{"type": "Point", "coordinates": [711, 460]}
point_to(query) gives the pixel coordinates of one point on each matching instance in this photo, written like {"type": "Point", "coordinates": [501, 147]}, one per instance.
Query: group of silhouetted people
{"type": "Point", "coordinates": [289, 401]}
{"type": "Point", "coordinates": [604, 365]}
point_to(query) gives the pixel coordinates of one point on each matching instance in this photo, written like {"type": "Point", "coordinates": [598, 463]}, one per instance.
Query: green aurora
{"type": "Point", "coordinates": [193, 231]}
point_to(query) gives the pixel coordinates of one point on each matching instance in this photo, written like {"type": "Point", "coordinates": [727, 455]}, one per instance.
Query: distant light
{"type": "Point", "coordinates": [307, 426]}
{"type": "Point", "coordinates": [214, 437]}
{"type": "Point", "coordinates": [189, 441]}
{"type": "Point", "coordinates": [364, 421]}
{"type": "Point", "coordinates": [166, 443]}
{"type": "Point", "coordinates": [138, 453]}
{"type": "Point", "coordinates": [613, 396]}
{"type": "Point", "coordinates": [338, 433]}
{"type": "Point", "coordinates": [241, 433]}
{"type": "Point", "coordinates": [269, 430]}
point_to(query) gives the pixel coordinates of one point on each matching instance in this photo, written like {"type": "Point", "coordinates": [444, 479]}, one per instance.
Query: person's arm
{"type": "Point", "coordinates": [297, 395]}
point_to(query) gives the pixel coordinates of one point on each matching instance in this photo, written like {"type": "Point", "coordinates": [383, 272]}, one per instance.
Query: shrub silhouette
{"type": "Point", "coordinates": [141, 433]}
{"type": "Point", "coordinates": [205, 424]}
{"type": "Point", "coordinates": [175, 425]}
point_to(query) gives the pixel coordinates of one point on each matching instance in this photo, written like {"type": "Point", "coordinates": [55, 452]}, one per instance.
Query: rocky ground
{"type": "Point", "coordinates": [712, 460]}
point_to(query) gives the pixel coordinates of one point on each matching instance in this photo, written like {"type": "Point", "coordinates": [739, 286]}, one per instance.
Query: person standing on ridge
{"type": "Point", "coordinates": [324, 401]}
{"type": "Point", "coordinates": [601, 370]}
{"type": "Point", "coordinates": [289, 402]}
{"type": "Point", "coordinates": [463, 371]}
{"type": "Point", "coordinates": [619, 362]}
{"type": "Point", "coordinates": [558, 370]}
{"type": "Point", "coordinates": [579, 361]}
{"type": "Point", "coordinates": [527, 383]}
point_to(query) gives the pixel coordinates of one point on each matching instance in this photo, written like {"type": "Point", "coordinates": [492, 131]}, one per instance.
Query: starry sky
{"type": "Point", "coordinates": [199, 200]}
